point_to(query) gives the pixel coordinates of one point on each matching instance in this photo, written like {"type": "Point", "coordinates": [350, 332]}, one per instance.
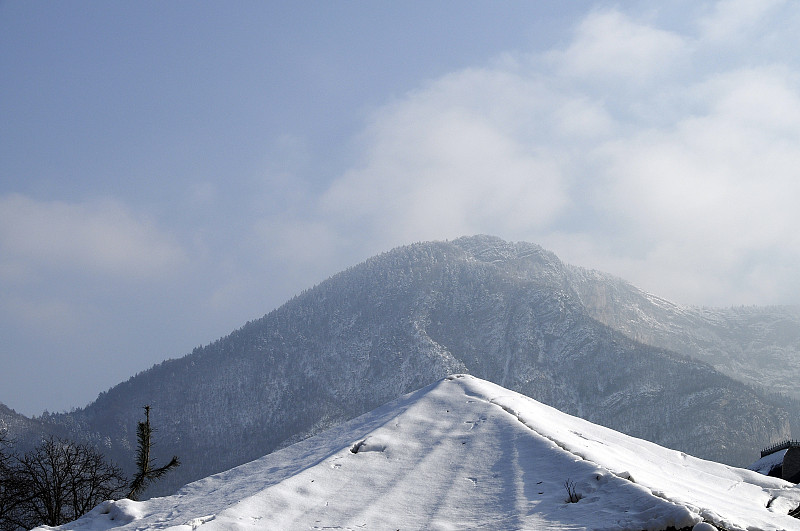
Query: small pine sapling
{"type": "Point", "coordinates": [145, 471]}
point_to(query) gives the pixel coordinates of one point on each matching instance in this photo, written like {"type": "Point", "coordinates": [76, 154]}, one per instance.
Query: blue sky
{"type": "Point", "coordinates": [169, 171]}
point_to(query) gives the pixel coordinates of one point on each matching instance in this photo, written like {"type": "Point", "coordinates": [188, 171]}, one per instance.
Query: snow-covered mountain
{"type": "Point", "coordinates": [511, 313]}
{"type": "Point", "coordinates": [464, 453]}
{"type": "Point", "coordinates": [757, 345]}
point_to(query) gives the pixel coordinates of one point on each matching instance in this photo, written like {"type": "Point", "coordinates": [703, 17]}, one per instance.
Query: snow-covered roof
{"type": "Point", "coordinates": [466, 454]}
{"type": "Point", "coordinates": [769, 462]}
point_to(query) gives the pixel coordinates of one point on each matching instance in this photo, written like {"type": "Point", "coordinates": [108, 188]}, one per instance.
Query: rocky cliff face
{"type": "Point", "coordinates": [511, 313]}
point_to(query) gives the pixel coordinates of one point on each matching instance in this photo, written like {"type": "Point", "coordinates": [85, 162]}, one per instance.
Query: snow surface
{"type": "Point", "coordinates": [466, 454]}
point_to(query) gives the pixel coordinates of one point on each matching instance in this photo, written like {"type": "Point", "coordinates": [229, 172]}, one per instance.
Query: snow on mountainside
{"type": "Point", "coordinates": [466, 454]}
{"type": "Point", "coordinates": [505, 312]}
{"type": "Point", "coordinates": [757, 345]}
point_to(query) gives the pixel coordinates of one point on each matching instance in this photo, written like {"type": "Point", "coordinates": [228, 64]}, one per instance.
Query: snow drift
{"type": "Point", "coordinates": [466, 454]}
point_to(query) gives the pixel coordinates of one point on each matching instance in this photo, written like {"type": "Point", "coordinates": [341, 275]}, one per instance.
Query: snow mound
{"type": "Point", "coordinates": [465, 454]}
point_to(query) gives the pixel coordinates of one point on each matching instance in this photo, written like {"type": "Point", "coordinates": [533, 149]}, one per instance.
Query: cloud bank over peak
{"type": "Point", "coordinates": [620, 150]}
{"type": "Point", "coordinates": [449, 158]}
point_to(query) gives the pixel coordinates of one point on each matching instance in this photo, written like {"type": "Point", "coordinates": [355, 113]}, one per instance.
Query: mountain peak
{"type": "Point", "coordinates": [492, 249]}
{"type": "Point", "coordinates": [510, 313]}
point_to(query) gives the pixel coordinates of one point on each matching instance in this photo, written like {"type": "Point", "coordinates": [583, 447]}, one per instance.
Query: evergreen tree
{"type": "Point", "coordinates": [145, 465]}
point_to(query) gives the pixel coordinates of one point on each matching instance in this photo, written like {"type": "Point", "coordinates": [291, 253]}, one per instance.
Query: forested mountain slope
{"type": "Point", "coordinates": [19, 431]}
{"type": "Point", "coordinates": [505, 312]}
{"type": "Point", "coordinates": [511, 313]}
{"type": "Point", "coordinates": [757, 345]}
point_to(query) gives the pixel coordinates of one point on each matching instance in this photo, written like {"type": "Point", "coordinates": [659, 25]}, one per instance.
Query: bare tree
{"type": "Point", "coordinates": [60, 481]}
{"type": "Point", "coordinates": [145, 465]}
{"type": "Point", "coordinates": [11, 494]}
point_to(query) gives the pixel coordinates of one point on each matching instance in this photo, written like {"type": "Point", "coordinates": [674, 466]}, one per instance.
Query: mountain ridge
{"type": "Point", "coordinates": [506, 312]}
{"type": "Point", "coordinates": [741, 342]}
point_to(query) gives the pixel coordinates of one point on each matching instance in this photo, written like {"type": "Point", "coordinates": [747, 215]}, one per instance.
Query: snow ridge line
{"type": "Point", "coordinates": [704, 515]}
{"type": "Point", "coordinates": [624, 475]}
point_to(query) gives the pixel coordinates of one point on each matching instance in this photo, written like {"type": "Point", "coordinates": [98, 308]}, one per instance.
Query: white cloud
{"type": "Point", "coordinates": [619, 151]}
{"type": "Point", "coordinates": [452, 159]}
{"type": "Point", "coordinates": [610, 46]}
{"type": "Point", "coordinates": [101, 237]}
{"type": "Point", "coordinates": [714, 189]}
{"type": "Point", "coordinates": [735, 19]}
{"type": "Point", "coordinates": [581, 117]}
{"type": "Point", "coordinates": [765, 98]}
